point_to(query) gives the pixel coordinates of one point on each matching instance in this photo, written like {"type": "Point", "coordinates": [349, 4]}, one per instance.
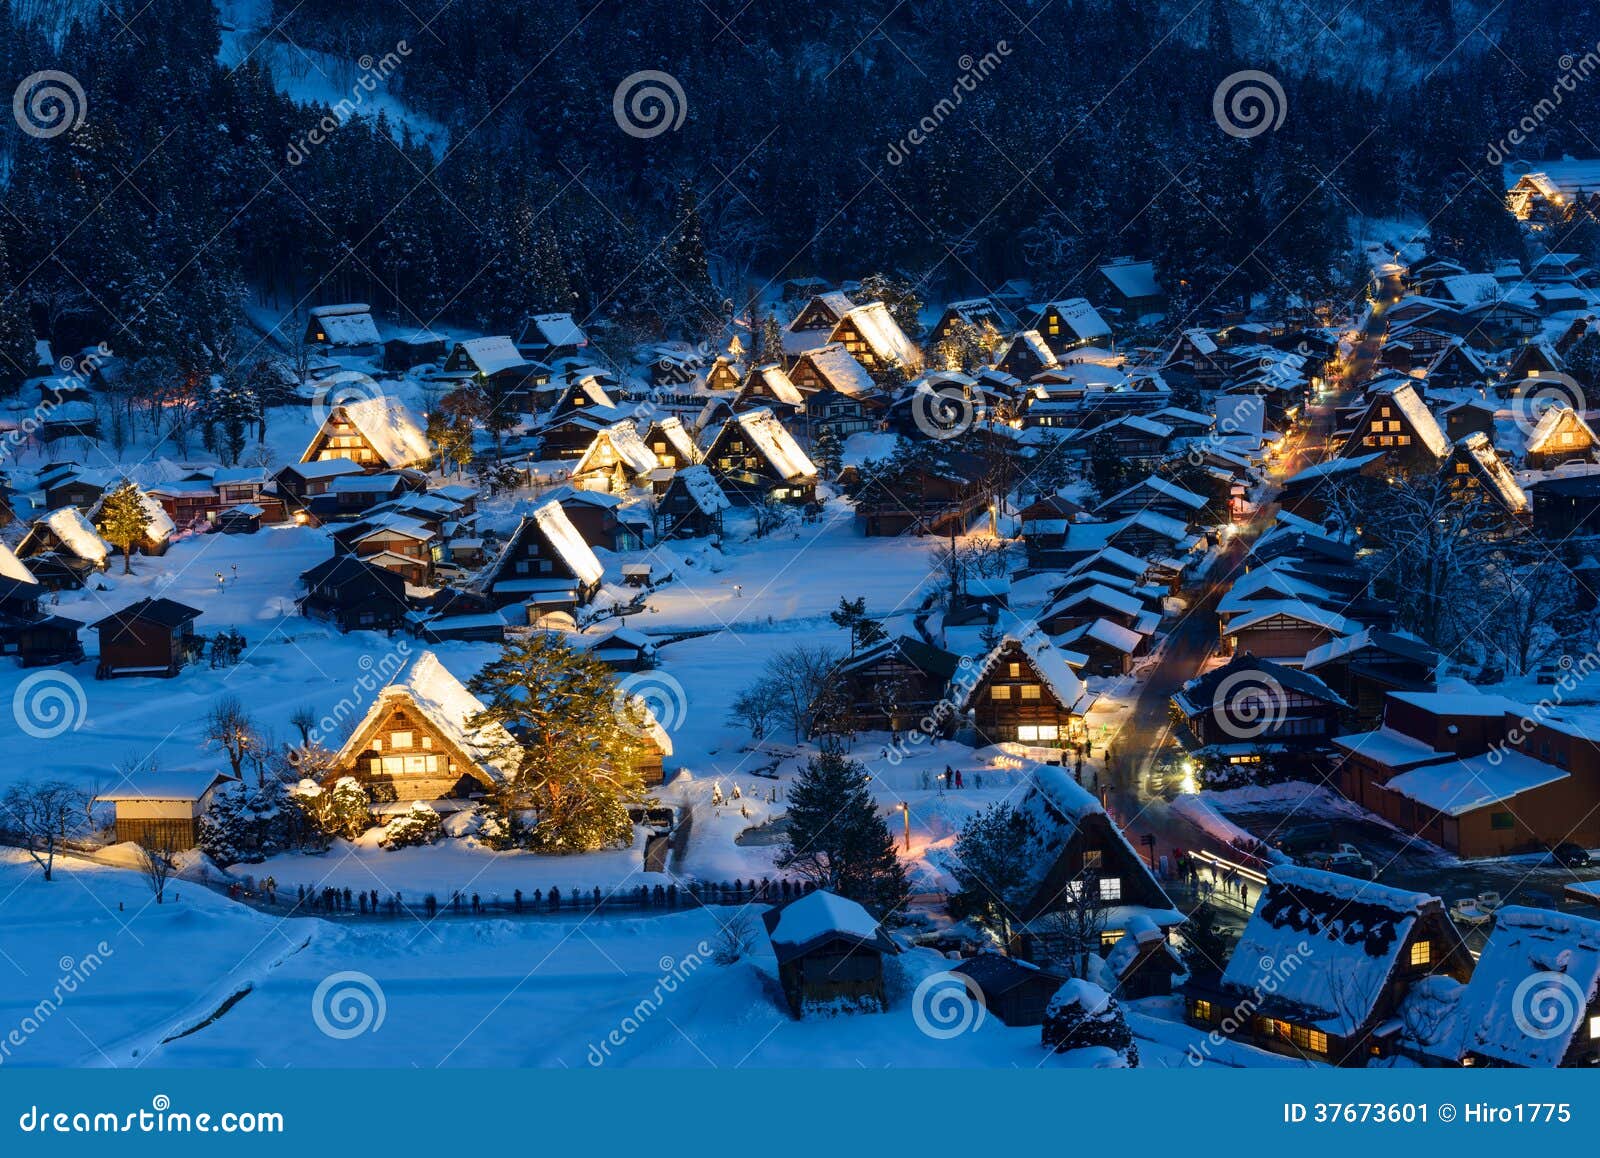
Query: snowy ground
{"type": "Point", "coordinates": [202, 982]}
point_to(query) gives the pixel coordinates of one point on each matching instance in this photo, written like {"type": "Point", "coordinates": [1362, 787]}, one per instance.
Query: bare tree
{"type": "Point", "coordinates": [736, 939]}
{"type": "Point", "coordinates": [230, 728]}
{"type": "Point", "coordinates": [303, 719]}
{"type": "Point", "coordinates": [41, 814]}
{"type": "Point", "coordinates": [157, 865]}
{"type": "Point", "coordinates": [1077, 921]}
{"type": "Point", "coordinates": [800, 676]}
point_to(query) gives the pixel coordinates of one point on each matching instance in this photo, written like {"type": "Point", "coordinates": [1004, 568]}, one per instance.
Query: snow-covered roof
{"type": "Point", "coordinates": [492, 354]}
{"type": "Point", "coordinates": [559, 330]}
{"type": "Point", "coordinates": [1457, 787]}
{"type": "Point", "coordinates": [776, 443]}
{"type": "Point", "coordinates": [1082, 319]}
{"type": "Point", "coordinates": [703, 488]}
{"type": "Point", "coordinates": [1469, 289]}
{"type": "Point", "coordinates": [820, 915]}
{"type": "Point", "coordinates": [177, 784]}
{"type": "Point", "coordinates": [622, 439]}
{"type": "Point", "coordinates": [777, 382]}
{"type": "Point", "coordinates": [1404, 396]}
{"type": "Point", "coordinates": [1036, 346]}
{"type": "Point", "coordinates": [837, 302]}
{"type": "Point", "coordinates": [1049, 664]}
{"type": "Point", "coordinates": [1119, 601]}
{"type": "Point", "coordinates": [1133, 279]}
{"type": "Point", "coordinates": [678, 437]}
{"type": "Point", "coordinates": [1292, 609]}
{"type": "Point", "coordinates": [13, 568]}
{"type": "Point", "coordinates": [840, 369]}
{"type": "Point", "coordinates": [1164, 488]}
{"type": "Point", "coordinates": [350, 324]}
{"type": "Point", "coordinates": [444, 701]}
{"type": "Point", "coordinates": [1481, 450]}
{"type": "Point", "coordinates": [1529, 953]}
{"type": "Point", "coordinates": [564, 537]}
{"type": "Point", "coordinates": [1390, 747]}
{"type": "Point", "coordinates": [1113, 635]}
{"type": "Point", "coordinates": [390, 428]}
{"type": "Point", "coordinates": [882, 334]}
{"type": "Point", "coordinates": [1553, 419]}
{"type": "Point", "coordinates": [1342, 934]}
{"type": "Point", "coordinates": [78, 535]}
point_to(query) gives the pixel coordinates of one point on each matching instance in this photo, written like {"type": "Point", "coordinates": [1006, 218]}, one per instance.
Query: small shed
{"type": "Point", "coordinates": [422, 348]}
{"type": "Point", "coordinates": [1017, 992]}
{"type": "Point", "coordinates": [830, 955]}
{"type": "Point", "coordinates": [162, 810]}
{"type": "Point", "coordinates": [244, 519]}
{"type": "Point", "coordinates": [153, 637]}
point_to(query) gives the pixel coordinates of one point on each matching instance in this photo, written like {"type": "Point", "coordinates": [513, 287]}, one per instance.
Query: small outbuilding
{"type": "Point", "coordinates": [153, 637]}
{"type": "Point", "coordinates": [162, 810]}
{"type": "Point", "coordinates": [830, 955]}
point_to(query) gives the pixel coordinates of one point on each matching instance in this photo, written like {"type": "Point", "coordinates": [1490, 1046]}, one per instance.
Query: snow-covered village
{"type": "Point", "coordinates": [1084, 556]}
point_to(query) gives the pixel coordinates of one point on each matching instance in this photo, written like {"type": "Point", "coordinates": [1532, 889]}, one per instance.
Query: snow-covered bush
{"type": "Point", "coordinates": [1084, 1016]}
{"type": "Point", "coordinates": [343, 811]}
{"type": "Point", "coordinates": [418, 825]}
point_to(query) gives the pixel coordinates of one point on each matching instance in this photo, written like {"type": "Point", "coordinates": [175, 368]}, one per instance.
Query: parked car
{"type": "Point", "coordinates": [1476, 910]}
{"type": "Point", "coordinates": [1571, 855]}
{"type": "Point", "coordinates": [1306, 838]}
{"type": "Point", "coordinates": [1345, 858]}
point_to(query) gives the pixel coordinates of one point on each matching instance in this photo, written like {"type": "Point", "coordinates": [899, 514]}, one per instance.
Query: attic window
{"type": "Point", "coordinates": [400, 739]}
{"type": "Point", "coordinates": [1594, 1029]}
{"type": "Point", "coordinates": [1422, 953]}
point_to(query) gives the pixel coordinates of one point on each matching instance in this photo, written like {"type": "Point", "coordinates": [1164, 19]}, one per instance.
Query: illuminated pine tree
{"type": "Point", "coordinates": [124, 522]}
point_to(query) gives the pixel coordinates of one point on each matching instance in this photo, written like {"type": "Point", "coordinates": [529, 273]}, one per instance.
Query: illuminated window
{"type": "Point", "coordinates": [1202, 1011]}
{"type": "Point", "coordinates": [1594, 1028]}
{"type": "Point", "coordinates": [1000, 692]}
{"type": "Point", "coordinates": [1110, 888]}
{"type": "Point", "coordinates": [1422, 953]}
{"type": "Point", "coordinates": [400, 740]}
{"type": "Point", "coordinates": [1015, 669]}
{"type": "Point", "coordinates": [1030, 691]}
{"type": "Point", "coordinates": [377, 745]}
{"type": "Point", "coordinates": [1092, 858]}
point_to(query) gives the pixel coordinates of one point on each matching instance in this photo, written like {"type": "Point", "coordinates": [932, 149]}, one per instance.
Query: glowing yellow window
{"type": "Point", "coordinates": [1030, 691]}
{"type": "Point", "coordinates": [1422, 953]}
{"type": "Point", "coordinates": [1000, 692]}
{"type": "Point", "coordinates": [1202, 1010]}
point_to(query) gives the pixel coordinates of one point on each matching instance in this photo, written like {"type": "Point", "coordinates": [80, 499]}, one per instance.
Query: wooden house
{"type": "Point", "coordinates": [1283, 630]}
{"type": "Point", "coordinates": [417, 349]}
{"type": "Point", "coordinates": [394, 542]}
{"type": "Point", "coordinates": [769, 385]}
{"type": "Point", "coordinates": [1398, 424]}
{"type": "Point", "coordinates": [622, 649]}
{"type": "Point", "coordinates": [1015, 991]}
{"type": "Point", "coordinates": [161, 810]}
{"type": "Point", "coordinates": [602, 520]}
{"type": "Point", "coordinates": [1474, 416]}
{"type": "Point", "coordinates": [190, 503]}
{"type": "Point", "coordinates": [873, 337]}
{"type": "Point", "coordinates": [299, 483]}
{"type": "Point", "coordinates": [342, 329]}
{"type": "Point", "coordinates": [1131, 287]}
{"type": "Point", "coordinates": [1065, 325]}
{"type": "Point", "coordinates": [672, 444]}
{"type": "Point", "coordinates": [754, 457]}
{"type": "Point", "coordinates": [1153, 493]}
{"type": "Point", "coordinates": [1365, 667]}
{"type": "Point", "coordinates": [1563, 508]}
{"type": "Point", "coordinates": [830, 955]}
{"type": "Point", "coordinates": [1531, 362]}
{"type": "Point", "coordinates": [1341, 954]}
{"type": "Point", "coordinates": [980, 313]}
{"type": "Point", "coordinates": [1562, 435]}
{"type": "Point", "coordinates": [1492, 1021]}
{"type": "Point", "coordinates": [355, 594]}
{"type": "Point", "coordinates": [1133, 437]}
{"type": "Point", "coordinates": [615, 461]}
{"type": "Point", "coordinates": [821, 313]}
{"type": "Point", "coordinates": [725, 375]}
{"type": "Point", "coordinates": [1044, 524]}
{"type": "Point", "coordinates": [1473, 468]}
{"type": "Point", "coordinates": [69, 485]}
{"type": "Point", "coordinates": [549, 337]}
{"type": "Point", "coordinates": [1085, 603]}
{"type": "Point", "coordinates": [63, 549]}
{"type": "Point", "coordinates": [1026, 355]}
{"type": "Point", "coordinates": [692, 505]}
{"type": "Point", "coordinates": [1311, 492]}
{"type": "Point", "coordinates": [545, 564]}
{"type": "Point", "coordinates": [1025, 692]}
{"type": "Point", "coordinates": [1144, 961]}
{"type": "Point", "coordinates": [153, 637]}
{"type": "Point", "coordinates": [896, 685]}
{"type": "Point", "coordinates": [1255, 701]}
{"type": "Point", "coordinates": [416, 742]}
{"type": "Point", "coordinates": [377, 434]}
{"type": "Point", "coordinates": [30, 635]}
{"type": "Point", "coordinates": [1456, 366]}
{"type": "Point", "coordinates": [924, 496]}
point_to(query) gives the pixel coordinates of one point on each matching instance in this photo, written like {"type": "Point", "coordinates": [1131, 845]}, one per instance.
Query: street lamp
{"type": "Point", "coordinates": [905, 811]}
